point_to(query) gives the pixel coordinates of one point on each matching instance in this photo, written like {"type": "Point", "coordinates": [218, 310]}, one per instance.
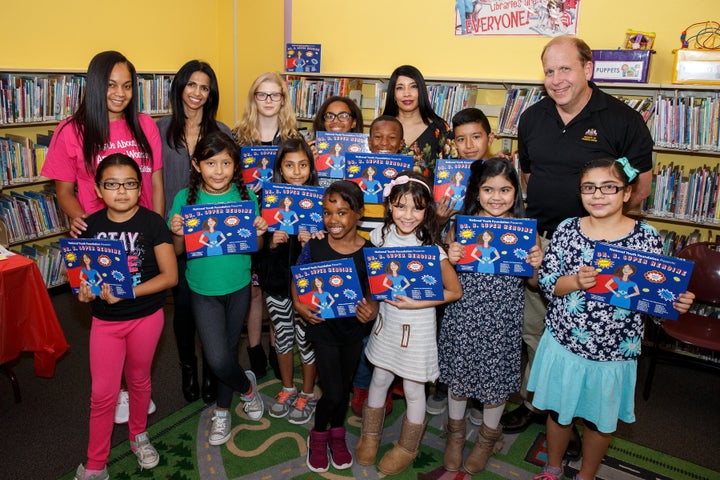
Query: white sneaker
{"type": "Point", "coordinates": [254, 407]}
{"type": "Point", "coordinates": [476, 416]}
{"type": "Point", "coordinates": [146, 454]}
{"type": "Point", "coordinates": [122, 407]}
{"type": "Point", "coordinates": [220, 432]}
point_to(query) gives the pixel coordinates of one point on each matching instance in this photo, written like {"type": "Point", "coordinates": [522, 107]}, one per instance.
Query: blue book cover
{"type": "Point", "coordinates": [410, 271]}
{"type": "Point", "coordinates": [292, 208]}
{"type": "Point", "coordinates": [639, 281]}
{"type": "Point", "coordinates": [219, 229]}
{"type": "Point", "coordinates": [496, 244]}
{"type": "Point", "coordinates": [333, 148]}
{"type": "Point", "coordinates": [451, 178]}
{"type": "Point", "coordinates": [95, 262]}
{"type": "Point", "coordinates": [257, 165]}
{"type": "Point", "coordinates": [332, 287]}
{"type": "Point", "coordinates": [302, 57]}
{"type": "Point", "coordinates": [372, 171]}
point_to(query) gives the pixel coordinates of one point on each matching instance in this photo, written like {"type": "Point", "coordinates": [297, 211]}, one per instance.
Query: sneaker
{"type": "Point", "coordinates": [283, 403]}
{"type": "Point", "coordinates": [220, 432]}
{"type": "Point", "coordinates": [303, 409]}
{"type": "Point", "coordinates": [122, 407]}
{"type": "Point", "coordinates": [475, 416]}
{"type": "Point", "coordinates": [144, 451]}
{"type": "Point", "coordinates": [80, 474]}
{"type": "Point", "coordinates": [254, 407]}
{"type": "Point", "coordinates": [358, 400]}
{"type": "Point", "coordinates": [317, 453]}
{"type": "Point", "coordinates": [549, 473]}
{"type": "Point", "coordinates": [436, 403]}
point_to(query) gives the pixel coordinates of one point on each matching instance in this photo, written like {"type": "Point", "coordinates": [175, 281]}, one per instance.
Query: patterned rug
{"type": "Point", "coordinates": [276, 449]}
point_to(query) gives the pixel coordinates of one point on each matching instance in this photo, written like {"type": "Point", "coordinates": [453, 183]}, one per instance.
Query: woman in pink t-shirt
{"type": "Point", "coordinates": [107, 121]}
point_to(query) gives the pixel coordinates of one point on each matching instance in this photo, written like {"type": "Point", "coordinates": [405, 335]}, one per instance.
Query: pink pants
{"type": "Point", "coordinates": [131, 344]}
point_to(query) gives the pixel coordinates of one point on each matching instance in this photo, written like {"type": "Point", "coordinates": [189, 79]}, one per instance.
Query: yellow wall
{"type": "Point", "coordinates": [375, 36]}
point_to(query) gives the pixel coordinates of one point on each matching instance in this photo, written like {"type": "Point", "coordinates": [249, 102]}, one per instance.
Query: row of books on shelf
{"type": "Point", "coordinates": [690, 196]}
{"type": "Point", "coordinates": [688, 122]}
{"type": "Point", "coordinates": [307, 94]}
{"type": "Point", "coordinates": [32, 214]}
{"type": "Point", "coordinates": [39, 98]}
{"type": "Point", "coordinates": [517, 100]}
{"type": "Point", "coordinates": [21, 159]}
{"type": "Point", "coordinates": [28, 98]}
{"type": "Point", "coordinates": [447, 100]}
{"type": "Point", "coordinates": [673, 242]}
{"type": "Point", "coordinates": [49, 261]}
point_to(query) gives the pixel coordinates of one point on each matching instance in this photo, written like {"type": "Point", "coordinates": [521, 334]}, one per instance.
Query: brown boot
{"type": "Point", "coordinates": [370, 434]}
{"type": "Point", "coordinates": [488, 441]}
{"type": "Point", "coordinates": [454, 445]}
{"type": "Point", "coordinates": [406, 449]}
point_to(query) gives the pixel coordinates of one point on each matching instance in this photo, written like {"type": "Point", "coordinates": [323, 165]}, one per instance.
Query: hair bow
{"type": "Point", "coordinates": [402, 180]}
{"type": "Point", "coordinates": [629, 170]}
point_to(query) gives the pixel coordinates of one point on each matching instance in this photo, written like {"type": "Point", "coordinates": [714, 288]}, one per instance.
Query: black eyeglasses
{"type": "Point", "coordinates": [609, 189]}
{"type": "Point", "coordinates": [131, 185]}
{"type": "Point", "coordinates": [274, 96]}
{"type": "Point", "coordinates": [341, 117]}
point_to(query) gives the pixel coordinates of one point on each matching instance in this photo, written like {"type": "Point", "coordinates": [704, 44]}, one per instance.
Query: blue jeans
{"type": "Point", "coordinates": [219, 321]}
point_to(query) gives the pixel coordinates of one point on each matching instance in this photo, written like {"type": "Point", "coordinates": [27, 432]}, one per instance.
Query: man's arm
{"type": "Point", "coordinates": [640, 190]}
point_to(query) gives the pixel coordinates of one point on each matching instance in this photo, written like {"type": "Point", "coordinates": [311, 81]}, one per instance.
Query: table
{"type": "Point", "coordinates": [27, 319]}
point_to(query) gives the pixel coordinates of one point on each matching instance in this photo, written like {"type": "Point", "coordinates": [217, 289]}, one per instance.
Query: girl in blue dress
{"type": "Point", "coordinates": [90, 276]}
{"type": "Point", "coordinates": [211, 238]}
{"type": "Point", "coordinates": [323, 300]}
{"type": "Point", "coordinates": [624, 288]}
{"type": "Point", "coordinates": [370, 186]}
{"type": "Point", "coordinates": [398, 284]}
{"type": "Point", "coordinates": [336, 160]}
{"type": "Point", "coordinates": [485, 254]}
{"type": "Point", "coordinates": [287, 218]}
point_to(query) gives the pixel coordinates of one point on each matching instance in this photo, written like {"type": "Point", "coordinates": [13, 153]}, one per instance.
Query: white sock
{"type": "Point", "coordinates": [491, 415]}
{"type": "Point", "coordinates": [456, 407]}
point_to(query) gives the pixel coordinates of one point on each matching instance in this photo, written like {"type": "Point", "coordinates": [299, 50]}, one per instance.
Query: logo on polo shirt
{"type": "Point", "coordinates": [590, 135]}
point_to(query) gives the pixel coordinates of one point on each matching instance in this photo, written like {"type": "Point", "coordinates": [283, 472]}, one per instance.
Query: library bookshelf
{"type": "Point", "coordinates": [32, 103]}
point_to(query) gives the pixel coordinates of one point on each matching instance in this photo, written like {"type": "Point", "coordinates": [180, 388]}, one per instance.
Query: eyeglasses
{"type": "Point", "coordinates": [340, 117]}
{"type": "Point", "coordinates": [131, 185]}
{"type": "Point", "coordinates": [274, 96]}
{"type": "Point", "coordinates": [609, 189]}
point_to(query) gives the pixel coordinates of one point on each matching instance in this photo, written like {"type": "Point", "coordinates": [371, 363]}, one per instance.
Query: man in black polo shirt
{"type": "Point", "coordinates": [557, 136]}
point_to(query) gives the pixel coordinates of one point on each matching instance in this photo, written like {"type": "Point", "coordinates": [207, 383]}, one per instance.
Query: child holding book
{"type": "Point", "coordinates": [337, 341]}
{"type": "Point", "coordinates": [294, 165]}
{"type": "Point", "coordinates": [106, 122]}
{"type": "Point", "coordinates": [337, 114]}
{"type": "Point", "coordinates": [586, 363]}
{"type": "Point", "coordinates": [220, 285]}
{"type": "Point", "coordinates": [480, 334]}
{"type": "Point", "coordinates": [403, 341]}
{"type": "Point", "coordinates": [125, 332]}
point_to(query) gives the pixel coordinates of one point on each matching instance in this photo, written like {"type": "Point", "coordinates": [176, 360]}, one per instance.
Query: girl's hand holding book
{"type": "Point", "coordinates": [307, 312]}
{"type": "Point", "coordinates": [85, 294]}
{"type": "Point", "coordinates": [684, 301]}
{"type": "Point", "coordinates": [535, 256]}
{"type": "Point", "coordinates": [176, 224]}
{"type": "Point", "coordinates": [366, 311]}
{"type": "Point", "coordinates": [106, 294]}
{"type": "Point", "coordinates": [456, 252]}
{"type": "Point", "coordinates": [260, 225]}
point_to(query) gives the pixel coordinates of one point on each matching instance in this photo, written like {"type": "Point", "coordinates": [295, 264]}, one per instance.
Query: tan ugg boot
{"type": "Point", "coordinates": [454, 445]}
{"type": "Point", "coordinates": [488, 441]}
{"type": "Point", "coordinates": [370, 434]}
{"type": "Point", "coordinates": [406, 449]}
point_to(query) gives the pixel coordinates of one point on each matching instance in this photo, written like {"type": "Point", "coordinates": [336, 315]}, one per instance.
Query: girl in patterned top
{"type": "Point", "coordinates": [586, 362]}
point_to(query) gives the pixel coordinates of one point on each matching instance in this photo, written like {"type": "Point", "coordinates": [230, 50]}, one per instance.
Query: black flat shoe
{"type": "Point", "coordinates": [519, 419]}
{"type": "Point", "coordinates": [190, 384]}
{"type": "Point", "coordinates": [258, 360]}
{"type": "Point", "coordinates": [209, 386]}
{"type": "Point", "coordinates": [574, 448]}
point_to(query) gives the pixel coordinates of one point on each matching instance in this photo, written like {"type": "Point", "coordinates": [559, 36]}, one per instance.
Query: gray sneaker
{"type": "Point", "coordinates": [146, 454]}
{"type": "Point", "coordinates": [283, 403]}
{"type": "Point", "coordinates": [80, 474]}
{"type": "Point", "coordinates": [302, 409]}
{"type": "Point", "coordinates": [254, 407]}
{"type": "Point", "coordinates": [436, 403]}
{"type": "Point", "coordinates": [220, 432]}
{"type": "Point", "coordinates": [475, 416]}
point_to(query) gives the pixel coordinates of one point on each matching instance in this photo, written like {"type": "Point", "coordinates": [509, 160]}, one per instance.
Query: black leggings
{"type": "Point", "coordinates": [336, 365]}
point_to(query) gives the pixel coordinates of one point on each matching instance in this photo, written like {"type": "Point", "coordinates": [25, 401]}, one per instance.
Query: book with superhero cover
{"type": "Point", "coordinates": [372, 171]}
{"type": "Point", "coordinates": [292, 208]}
{"type": "Point", "coordinates": [302, 57]}
{"type": "Point", "coordinates": [451, 178]}
{"type": "Point", "coordinates": [410, 271]}
{"type": "Point", "coordinates": [497, 245]}
{"type": "Point", "coordinates": [257, 165]}
{"type": "Point", "coordinates": [94, 262]}
{"type": "Point", "coordinates": [332, 287]}
{"type": "Point", "coordinates": [219, 229]}
{"type": "Point", "coordinates": [639, 281]}
{"type": "Point", "coordinates": [333, 148]}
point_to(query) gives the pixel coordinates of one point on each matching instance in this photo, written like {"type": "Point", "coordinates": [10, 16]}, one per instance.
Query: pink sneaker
{"type": "Point", "coordinates": [339, 454]}
{"type": "Point", "coordinates": [317, 455]}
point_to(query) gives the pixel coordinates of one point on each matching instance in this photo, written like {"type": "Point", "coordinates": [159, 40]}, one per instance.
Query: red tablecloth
{"type": "Point", "coordinates": [27, 319]}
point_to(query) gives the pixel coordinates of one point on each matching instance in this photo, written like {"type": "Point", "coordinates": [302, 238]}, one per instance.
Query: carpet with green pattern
{"type": "Point", "coordinates": [274, 448]}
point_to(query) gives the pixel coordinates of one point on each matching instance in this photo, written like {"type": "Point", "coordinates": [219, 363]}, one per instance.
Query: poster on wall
{"type": "Point", "coordinates": [549, 18]}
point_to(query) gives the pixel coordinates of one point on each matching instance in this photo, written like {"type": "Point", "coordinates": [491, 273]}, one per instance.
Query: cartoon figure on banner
{"type": "Point", "coordinates": [323, 300]}
{"type": "Point", "coordinates": [336, 161]}
{"type": "Point", "coordinates": [370, 186]}
{"type": "Point", "coordinates": [398, 284]}
{"type": "Point", "coordinates": [263, 173]}
{"type": "Point", "coordinates": [211, 238]}
{"type": "Point", "coordinates": [90, 276]}
{"type": "Point", "coordinates": [484, 253]}
{"type": "Point", "coordinates": [622, 287]}
{"type": "Point", "coordinates": [287, 218]}
{"type": "Point", "coordinates": [456, 192]}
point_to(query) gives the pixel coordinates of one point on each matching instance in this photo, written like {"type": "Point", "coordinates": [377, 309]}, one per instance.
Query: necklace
{"type": "Point", "coordinates": [227, 189]}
